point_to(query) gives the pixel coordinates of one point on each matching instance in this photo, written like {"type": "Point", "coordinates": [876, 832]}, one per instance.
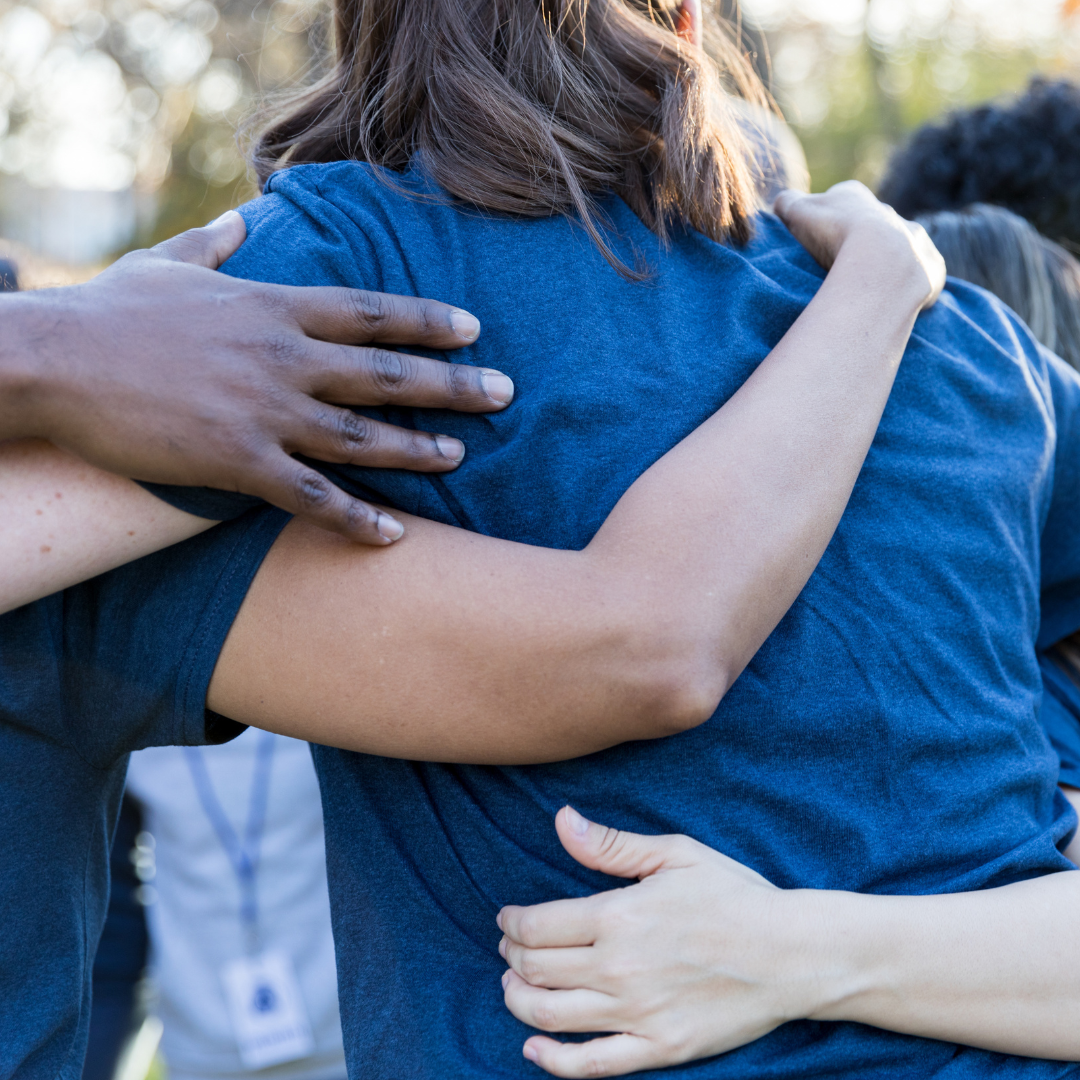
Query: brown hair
{"type": "Point", "coordinates": [533, 107]}
{"type": "Point", "coordinates": [1038, 279]}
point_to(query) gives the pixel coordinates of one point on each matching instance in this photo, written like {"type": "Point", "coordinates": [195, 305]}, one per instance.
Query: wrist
{"type": "Point", "coordinates": [33, 330]}
{"type": "Point", "coordinates": [831, 962]}
{"type": "Point", "coordinates": [882, 259]}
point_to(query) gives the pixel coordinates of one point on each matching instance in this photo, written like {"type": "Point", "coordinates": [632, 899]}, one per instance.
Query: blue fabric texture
{"type": "Point", "coordinates": [87, 675]}
{"type": "Point", "coordinates": [885, 739]}
{"type": "Point", "coordinates": [1061, 717]}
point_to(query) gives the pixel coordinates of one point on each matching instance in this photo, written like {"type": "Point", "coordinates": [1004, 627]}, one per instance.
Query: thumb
{"type": "Point", "coordinates": [611, 851]}
{"type": "Point", "coordinates": [209, 246]}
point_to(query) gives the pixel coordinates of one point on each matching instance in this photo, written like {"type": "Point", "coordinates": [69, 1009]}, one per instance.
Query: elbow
{"type": "Point", "coordinates": [685, 692]}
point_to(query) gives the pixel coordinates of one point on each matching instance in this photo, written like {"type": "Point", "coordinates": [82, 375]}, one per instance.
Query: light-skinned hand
{"type": "Point", "coordinates": [701, 956]}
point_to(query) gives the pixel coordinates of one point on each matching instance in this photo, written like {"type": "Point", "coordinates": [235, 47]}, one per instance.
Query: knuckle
{"type": "Point", "coordinates": [530, 970]}
{"type": "Point", "coordinates": [284, 349]}
{"type": "Point", "coordinates": [546, 1015]}
{"type": "Point", "coordinates": [312, 491]}
{"type": "Point", "coordinates": [371, 311]}
{"type": "Point", "coordinates": [359, 517]}
{"type": "Point", "coordinates": [461, 381]}
{"type": "Point", "coordinates": [350, 431]}
{"type": "Point", "coordinates": [423, 318]}
{"type": "Point", "coordinates": [528, 930]}
{"type": "Point", "coordinates": [594, 1066]}
{"type": "Point", "coordinates": [274, 303]}
{"type": "Point", "coordinates": [389, 371]}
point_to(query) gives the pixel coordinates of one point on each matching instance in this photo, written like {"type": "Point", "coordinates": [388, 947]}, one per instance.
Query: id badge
{"type": "Point", "coordinates": [267, 1010]}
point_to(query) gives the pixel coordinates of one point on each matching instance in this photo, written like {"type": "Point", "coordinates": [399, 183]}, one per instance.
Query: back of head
{"type": "Point", "coordinates": [1023, 155]}
{"type": "Point", "coordinates": [533, 107]}
{"type": "Point", "coordinates": [1037, 278]}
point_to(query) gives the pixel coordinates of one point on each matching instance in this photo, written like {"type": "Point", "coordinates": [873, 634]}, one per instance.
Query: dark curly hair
{"type": "Point", "coordinates": [1023, 155]}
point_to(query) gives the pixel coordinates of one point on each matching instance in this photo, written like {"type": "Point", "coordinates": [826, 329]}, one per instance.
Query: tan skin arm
{"type": "Point", "coordinates": [453, 646]}
{"type": "Point", "coordinates": [458, 647]}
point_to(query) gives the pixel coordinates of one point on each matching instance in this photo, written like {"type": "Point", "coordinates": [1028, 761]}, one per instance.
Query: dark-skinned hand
{"type": "Point", "coordinates": [163, 370]}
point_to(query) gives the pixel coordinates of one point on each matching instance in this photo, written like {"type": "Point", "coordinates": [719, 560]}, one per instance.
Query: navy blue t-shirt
{"type": "Point", "coordinates": [885, 739]}
{"type": "Point", "coordinates": [87, 675]}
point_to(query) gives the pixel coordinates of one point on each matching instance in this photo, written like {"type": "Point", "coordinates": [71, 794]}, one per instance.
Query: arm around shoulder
{"type": "Point", "coordinates": [457, 647]}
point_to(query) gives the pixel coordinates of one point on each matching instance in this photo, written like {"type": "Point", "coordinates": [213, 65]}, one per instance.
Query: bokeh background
{"type": "Point", "coordinates": [118, 118]}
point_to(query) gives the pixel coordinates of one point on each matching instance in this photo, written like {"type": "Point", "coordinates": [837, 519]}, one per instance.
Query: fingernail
{"type": "Point", "coordinates": [497, 386]}
{"type": "Point", "coordinates": [577, 823]}
{"type": "Point", "coordinates": [498, 920]}
{"type": "Point", "coordinates": [505, 979]}
{"type": "Point", "coordinates": [530, 1053]}
{"type": "Point", "coordinates": [390, 528]}
{"type": "Point", "coordinates": [450, 448]}
{"type": "Point", "coordinates": [464, 324]}
{"type": "Point", "coordinates": [502, 948]}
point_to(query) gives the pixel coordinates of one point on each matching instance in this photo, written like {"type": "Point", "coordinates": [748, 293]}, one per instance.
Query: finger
{"type": "Point", "coordinates": [209, 246]}
{"type": "Point", "coordinates": [611, 1055]}
{"type": "Point", "coordinates": [785, 202]}
{"type": "Point", "coordinates": [355, 316]}
{"type": "Point", "coordinates": [339, 435]}
{"type": "Point", "coordinates": [556, 924]}
{"type": "Point", "coordinates": [558, 1010]}
{"type": "Point", "coordinates": [611, 851]}
{"type": "Point", "coordinates": [554, 969]}
{"type": "Point", "coordinates": [294, 487]}
{"type": "Point", "coordinates": [365, 376]}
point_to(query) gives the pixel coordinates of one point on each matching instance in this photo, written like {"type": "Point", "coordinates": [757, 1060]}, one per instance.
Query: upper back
{"type": "Point", "coordinates": [885, 738]}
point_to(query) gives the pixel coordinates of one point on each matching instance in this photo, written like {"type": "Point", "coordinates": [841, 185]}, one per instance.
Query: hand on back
{"type": "Point", "coordinates": [163, 370]}
{"type": "Point", "coordinates": [700, 956]}
{"type": "Point", "coordinates": [849, 212]}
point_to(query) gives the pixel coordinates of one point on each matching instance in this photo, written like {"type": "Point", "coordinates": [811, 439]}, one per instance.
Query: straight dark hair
{"type": "Point", "coordinates": [533, 107]}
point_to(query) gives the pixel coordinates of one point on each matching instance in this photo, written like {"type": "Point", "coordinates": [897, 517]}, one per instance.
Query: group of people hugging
{"type": "Point", "coordinates": [709, 710]}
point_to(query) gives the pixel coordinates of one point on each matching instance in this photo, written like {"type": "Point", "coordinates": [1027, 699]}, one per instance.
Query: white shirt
{"type": "Point", "coordinates": [195, 926]}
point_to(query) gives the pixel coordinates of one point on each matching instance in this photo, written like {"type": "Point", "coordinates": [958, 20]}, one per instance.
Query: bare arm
{"type": "Point", "coordinates": [458, 647]}
{"type": "Point", "coordinates": [161, 369]}
{"type": "Point", "coordinates": [461, 647]}
{"type": "Point", "coordinates": [66, 521]}
{"type": "Point", "coordinates": [721, 957]}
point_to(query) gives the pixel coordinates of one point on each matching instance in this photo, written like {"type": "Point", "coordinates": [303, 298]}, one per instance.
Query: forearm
{"type": "Point", "coordinates": [998, 969]}
{"type": "Point", "coordinates": [66, 521]}
{"type": "Point", "coordinates": [730, 524]}
{"type": "Point", "coordinates": [458, 647]}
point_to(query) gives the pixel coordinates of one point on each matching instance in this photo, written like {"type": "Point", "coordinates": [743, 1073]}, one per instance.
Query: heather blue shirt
{"type": "Point", "coordinates": [886, 737]}
{"type": "Point", "coordinates": [1060, 716]}
{"type": "Point", "coordinates": [87, 675]}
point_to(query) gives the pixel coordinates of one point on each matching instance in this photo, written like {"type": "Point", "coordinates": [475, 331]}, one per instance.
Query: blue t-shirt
{"type": "Point", "coordinates": [1060, 716]}
{"type": "Point", "coordinates": [86, 676]}
{"type": "Point", "coordinates": [885, 739]}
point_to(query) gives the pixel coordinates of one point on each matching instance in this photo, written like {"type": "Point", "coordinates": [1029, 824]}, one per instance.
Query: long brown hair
{"type": "Point", "coordinates": [533, 107]}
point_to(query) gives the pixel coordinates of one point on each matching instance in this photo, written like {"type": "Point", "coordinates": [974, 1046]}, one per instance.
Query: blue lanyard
{"type": "Point", "coordinates": [243, 857]}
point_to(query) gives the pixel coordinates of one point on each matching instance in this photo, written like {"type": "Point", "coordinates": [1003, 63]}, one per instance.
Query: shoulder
{"type": "Point", "coordinates": [343, 222]}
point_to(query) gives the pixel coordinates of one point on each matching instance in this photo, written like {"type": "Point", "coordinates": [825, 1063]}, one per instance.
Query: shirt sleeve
{"type": "Point", "coordinates": [1060, 601]}
{"type": "Point", "coordinates": [124, 661]}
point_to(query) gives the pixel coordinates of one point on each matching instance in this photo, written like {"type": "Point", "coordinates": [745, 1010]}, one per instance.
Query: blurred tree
{"type": "Point", "coordinates": [145, 96]}
{"type": "Point", "coordinates": [854, 76]}
{"type": "Point", "coordinates": [112, 95]}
